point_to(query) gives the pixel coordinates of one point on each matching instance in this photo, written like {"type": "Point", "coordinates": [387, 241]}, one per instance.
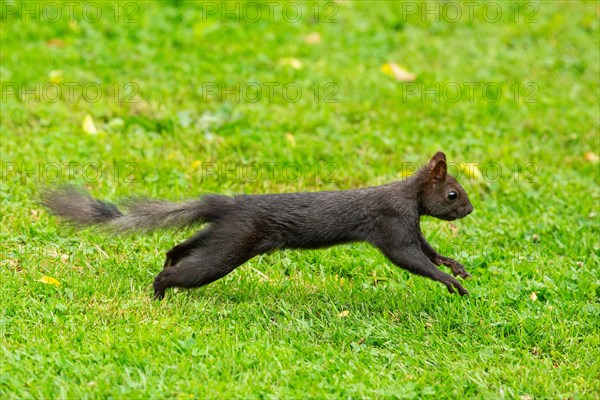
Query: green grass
{"type": "Point", "coordinates": [275, 327]}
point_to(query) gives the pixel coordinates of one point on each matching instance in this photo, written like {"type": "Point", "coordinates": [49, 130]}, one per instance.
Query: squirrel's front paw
{"type": "Point", "coordinates": [457, 268]}
{"type": "Point", "coordinates": [452, 285]}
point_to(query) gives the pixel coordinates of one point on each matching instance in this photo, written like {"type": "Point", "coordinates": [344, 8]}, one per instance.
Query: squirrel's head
{"type": "Point", "coordinates": [440, 195]}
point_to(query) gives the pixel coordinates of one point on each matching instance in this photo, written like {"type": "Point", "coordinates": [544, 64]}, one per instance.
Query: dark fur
{"type": "Point", "coordinates": [242, 227]}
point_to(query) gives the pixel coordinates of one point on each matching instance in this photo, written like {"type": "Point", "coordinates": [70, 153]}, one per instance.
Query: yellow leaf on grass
{"type": "Point", "coordinates": [49, 280]}
{"type": "Point", "coordinates": [196, 165]}
{"type": "Point", "coordinates": [55, 42]}
{"type": "Point", "coordinates": [395, 71]}
{"type": "Point", "coordinates": [291, 139]}
{"type": "Point", "coordinates": [453, 228]}
{"type": "Point", "coordinates": [533, 296]}
{"type": "Point", "coordinates": [291, 62]}
{"type": "Point", "coordinates": [88, 125]}
{"type": "Point", "coordinates": [55, 76]}
{"type": "Point", "coordinates": [344, 313]}
{"type": "Point", "coordinates": [35, 214]}
{"type": "Point", "coordinates": [74, 26]}
{"type": "Point", "coordinates": [312, 38]}
{"type": "Point", "coordinates": [472, 171]}
{"type": "Point", "coordinates": [591, 157]}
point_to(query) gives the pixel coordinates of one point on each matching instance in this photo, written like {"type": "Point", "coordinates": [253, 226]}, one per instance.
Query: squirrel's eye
{"type": "Point", "coordinates": [452, 195]}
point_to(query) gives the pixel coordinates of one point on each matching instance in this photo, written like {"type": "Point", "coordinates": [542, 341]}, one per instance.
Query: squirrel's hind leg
{"type": "Point", "coordinates": [205, 264]}
{"type": "Point", "coordinates": [184, 249]}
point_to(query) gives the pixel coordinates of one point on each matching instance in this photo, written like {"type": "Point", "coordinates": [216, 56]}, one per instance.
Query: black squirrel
{"type": "Point", "coordinates": [245, 226]}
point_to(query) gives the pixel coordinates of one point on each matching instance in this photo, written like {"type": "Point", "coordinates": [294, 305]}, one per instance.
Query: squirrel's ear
{"type": "Point", "coordinates": [438, 156]}
{"type": "Point", "coordinates": [438, 168]}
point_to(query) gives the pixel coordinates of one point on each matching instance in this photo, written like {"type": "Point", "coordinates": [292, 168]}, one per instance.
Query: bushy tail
{"type": "Point", "coordinates": [76, 206]}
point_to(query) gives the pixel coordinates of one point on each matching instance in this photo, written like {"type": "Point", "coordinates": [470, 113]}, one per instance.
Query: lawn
{"type": "Point", "coordinates": [175, 99]}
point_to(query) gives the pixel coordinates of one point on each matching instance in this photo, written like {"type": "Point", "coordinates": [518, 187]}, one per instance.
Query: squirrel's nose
{"type": "Point", "coordinates": [469, 209]}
